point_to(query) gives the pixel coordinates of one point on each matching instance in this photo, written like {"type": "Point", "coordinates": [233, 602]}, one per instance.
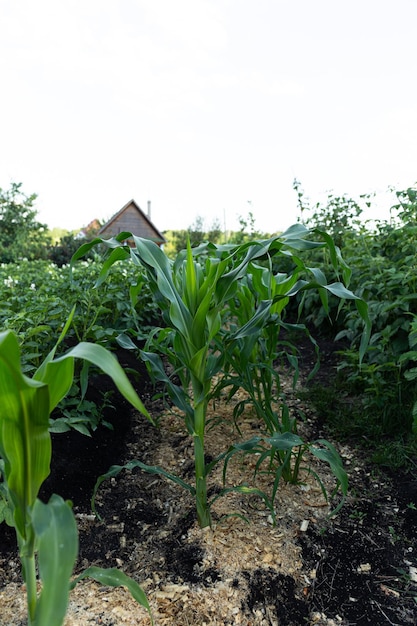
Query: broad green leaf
{"type": "Point", "coordinates": [176, 393]}
{"type": "Point", "coordinates": [40, 371]}
{"type": "Point", "coordinates": [113, 577]}
{"type": "Point", "coordinates": [191, 289]}
{"type": "Point", "coordinates": [58, 375]}
{"type": "Point", "coordinates": [155, 259]}
{"type": "Point", "coordinates": [25, 443]}
{"type": "Point", "coordinates": [362, 308]}
{"type": "Point", "coordinates": [108, 363]}
{"type": "Point", "coordinates": [255, 324]}
{"type": "Point", "coordinates": [125, 342]}
{"type": "Point", "coordinates": [284, 441]}
{"type": "Point", "coordinates": [113, 242]}
{"type": "Point", "coordinates": [57, 543]}
{"type": "Point", "coordinates": [339, 290]}
{"type": "Point", "coordinates": [335, 256]}
{"type": "Point", "coordinates": [117, 254]}
{"type": "Point", "coordinates": [297, 230]}
{"type": "Point", "coordinates": [319, 276]}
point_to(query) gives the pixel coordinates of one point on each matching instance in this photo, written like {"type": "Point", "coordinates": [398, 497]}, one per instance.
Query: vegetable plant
{"type": "Point", "coordinates": [195, 293]}
{"type": "Point", "coordinates": [46, 533]}
{"type": "Point", "coordinates": [191, 294]}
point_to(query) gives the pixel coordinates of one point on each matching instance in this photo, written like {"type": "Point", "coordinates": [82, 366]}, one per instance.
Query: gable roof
{"type": "Point", "coordinates": [132, 219]}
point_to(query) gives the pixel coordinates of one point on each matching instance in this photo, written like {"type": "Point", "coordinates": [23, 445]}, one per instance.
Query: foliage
{"type": "Point", "coordinates": [20, 232]}
{"type": "Point", "coordinates": [339, 216]}
{"type": "Point", "coordinates": [46, 533]}
{"type": "Point", "coordinates": [196, 294]}
{"type": "Point", "coordinates": [382, 258]}
{"type": "Point", "coordinates": [197, 232]}
{"type": "Point", "coordinates": [76, 412]}
{"type": "Point", "coordinates": [37, 295]}
{"type": "Point", "coordinates": [61, 252]}
{"type": "Point", "coordinates": [247, 230]}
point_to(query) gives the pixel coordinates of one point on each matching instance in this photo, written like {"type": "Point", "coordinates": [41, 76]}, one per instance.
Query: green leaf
{"type": "Point", "coordinates": [58, 375]}
{"type": "Point", "coordinates": [284, 441]}
{"type": "Point", "coordinates": [339, 290]}
{"type": "Point", "coordinates": [256, 323]}
{"type": "Point", "coordinates": [176, 393]}
{"type": "Point", "coordinates": [25, 443]}
{"type": "Point", "coordinates": [160, 270]}
{"type": "Point", "coordinates": [125, 342]}
{"type": "Point", "coordinates": [115, 578]}
{"type": "Point", "coordinates": [40, 372]}
{"type": "Point", "coordinates": [108, 363]}
{"type": "Point", "coordinates": [150, 469]}
{"type": "Point", "coordinates": [118, 254]}
{"type": "Point", "coordinates": [57, 543]}
{"type": "Point", "coordinates": [330, 455]}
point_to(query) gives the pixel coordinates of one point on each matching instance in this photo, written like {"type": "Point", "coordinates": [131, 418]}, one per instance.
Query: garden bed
{"type": "Point", "coordinates": [355, 568]}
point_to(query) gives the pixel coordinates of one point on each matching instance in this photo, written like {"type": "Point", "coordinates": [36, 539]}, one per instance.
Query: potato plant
{"type": "Point", "coordinates": [382, 257]}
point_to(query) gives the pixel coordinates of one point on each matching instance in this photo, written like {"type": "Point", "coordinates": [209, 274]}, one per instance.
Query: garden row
{"type": "Point", "coordinates": [217, 319]}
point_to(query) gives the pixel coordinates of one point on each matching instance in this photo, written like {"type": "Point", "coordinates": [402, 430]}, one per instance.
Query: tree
{"type": "Point", "coordinates": [339, 216]}
{"type": "Point", "coordinates": [21, 235]}
{"type": "Point", "coordinates": [247, 232]}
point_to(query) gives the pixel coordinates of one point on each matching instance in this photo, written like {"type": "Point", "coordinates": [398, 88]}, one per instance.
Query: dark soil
{"type": "Point", "coordinates": [359, 562]}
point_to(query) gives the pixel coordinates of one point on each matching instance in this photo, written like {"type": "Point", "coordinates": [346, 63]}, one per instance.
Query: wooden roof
{"type": "Point", "coordinates": [132, 219]}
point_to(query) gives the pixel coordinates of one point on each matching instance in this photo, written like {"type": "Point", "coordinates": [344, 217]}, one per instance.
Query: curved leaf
{"type": "Point", "coordinates": [25, 443]}
{"type": "Point", "coordinates": [116, 578]}
{"type": "Point", "coordinates": [57, 541]}
{"type": "Point", "coordinates": [108, 363]}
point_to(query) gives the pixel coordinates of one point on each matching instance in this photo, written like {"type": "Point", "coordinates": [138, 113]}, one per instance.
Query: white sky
{"type": "Point", "coordinates": [203, 105]}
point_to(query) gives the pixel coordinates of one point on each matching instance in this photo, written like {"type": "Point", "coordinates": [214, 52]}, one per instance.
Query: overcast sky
{"type": "Point", "coordinates": [202, 106]}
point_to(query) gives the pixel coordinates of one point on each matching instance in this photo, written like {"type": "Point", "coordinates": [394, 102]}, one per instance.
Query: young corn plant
{"type": "Point", "coordinates": [46, 533]}
{"type": "Point", "coordinates": [251, 358]}
{"type": "Point", "coordinates": [250, 363]}
{"type": "Point", "coordinates": [193, 293]}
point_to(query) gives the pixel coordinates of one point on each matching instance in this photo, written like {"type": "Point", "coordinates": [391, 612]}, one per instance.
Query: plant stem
{"type": "Point", "coordinates": [30, 580]}
{"type": "Point", "coordinates": [203, 510]}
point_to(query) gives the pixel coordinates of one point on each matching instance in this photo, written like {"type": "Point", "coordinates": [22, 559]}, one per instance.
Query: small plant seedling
{"type": "Point", "coordinates": [357, 515]}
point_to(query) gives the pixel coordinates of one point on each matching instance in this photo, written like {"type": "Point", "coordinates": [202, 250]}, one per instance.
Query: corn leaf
{"type": "Point", "coordinates": [329, 454]}
{"type": "Point", "coordinates": [57, 542]}
{"type": "Point", "coordinates": [114, 470]}
{"type": "Point", "coordinates": [108, 363]}
{"type": "Point", "coordinates": [25, 444]}
{"type": "Point", "coordinates": [113, 577]}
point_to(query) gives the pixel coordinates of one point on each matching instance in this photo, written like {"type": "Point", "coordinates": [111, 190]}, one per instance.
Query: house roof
{"type": "Point", "coordinates": [132, 219]}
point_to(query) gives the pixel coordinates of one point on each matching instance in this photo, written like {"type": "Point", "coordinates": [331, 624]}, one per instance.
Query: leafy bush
{"type": "Point", "coordinates": [382, 258]}
{"type": "Point", "coordinates": [21, 235]}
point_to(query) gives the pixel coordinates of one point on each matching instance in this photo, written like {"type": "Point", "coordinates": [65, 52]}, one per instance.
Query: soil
{"type": "Point", "coordinates": [358, 567]}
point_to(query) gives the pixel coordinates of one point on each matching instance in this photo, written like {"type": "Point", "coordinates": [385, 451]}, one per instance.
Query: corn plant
{"type": "Point", "coordinates": [46, 533]}
{"type": "Point", "coordinates": [284, 446]}
{"type": "Point", "coordinates": [250, 358]}
{"type": "Point", "coordinates": [193, 293]}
